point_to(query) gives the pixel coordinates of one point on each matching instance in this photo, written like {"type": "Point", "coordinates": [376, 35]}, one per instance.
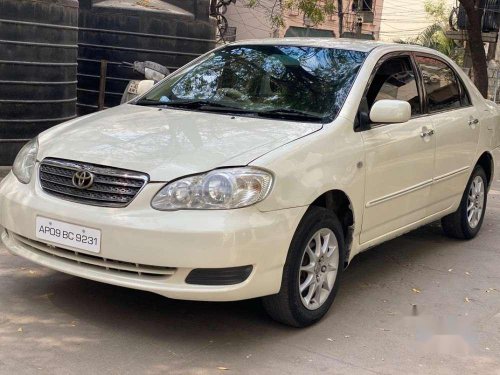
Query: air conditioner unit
{"type": "Point", "coordinates": [368, 17]}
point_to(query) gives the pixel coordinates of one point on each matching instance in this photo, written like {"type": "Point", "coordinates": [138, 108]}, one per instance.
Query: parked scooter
{"type": "Point", "coordinates": [153, 73]}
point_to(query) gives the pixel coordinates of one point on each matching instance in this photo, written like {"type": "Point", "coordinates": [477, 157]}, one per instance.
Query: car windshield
{"type": "Point", "coordinates": [280, 81]}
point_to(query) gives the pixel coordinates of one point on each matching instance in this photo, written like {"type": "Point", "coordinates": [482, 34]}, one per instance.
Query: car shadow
{"type": "Point", "coordinates": [136, 311]}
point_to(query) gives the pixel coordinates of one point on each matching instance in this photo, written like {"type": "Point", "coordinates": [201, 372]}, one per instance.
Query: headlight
{"type": "Point", "coordinates": [25, 161]}
{"type": "Point", "coordinates": [220, 189]}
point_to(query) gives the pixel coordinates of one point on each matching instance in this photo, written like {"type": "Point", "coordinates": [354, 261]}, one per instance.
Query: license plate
{"type": "Point", "coordinates": [68, 235]}
{"type": "Point", "coordinates": [133, 87]}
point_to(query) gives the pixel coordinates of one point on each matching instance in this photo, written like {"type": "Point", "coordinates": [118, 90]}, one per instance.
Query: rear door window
{"type": "Point", "coordinates": [441, 85]}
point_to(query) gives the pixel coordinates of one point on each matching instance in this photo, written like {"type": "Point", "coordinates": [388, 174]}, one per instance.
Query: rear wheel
{"type": "Point", "coordinates": [466, 222]}
{"type": "Point", "coordinates": [312, 270]}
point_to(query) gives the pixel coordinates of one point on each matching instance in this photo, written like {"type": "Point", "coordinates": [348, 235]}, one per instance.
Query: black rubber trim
{"type": "Point", "coordinates": [219, 276]}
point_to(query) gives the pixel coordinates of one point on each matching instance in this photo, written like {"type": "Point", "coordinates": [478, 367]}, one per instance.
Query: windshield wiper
{"type": "Point", "coordinates": [204, 104]}
{"type": "Point", "coordinates": [149, 102]}
{"type": "Point", "coordinates": [290, 113]}
{"type": "Point", "coordinates": [191, 104]}
{"type": "Point", "coordinates": [207, 105]}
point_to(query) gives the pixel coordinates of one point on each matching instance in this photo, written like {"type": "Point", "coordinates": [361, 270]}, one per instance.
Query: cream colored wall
{"type": "Point", "coordinates": [402, 19]}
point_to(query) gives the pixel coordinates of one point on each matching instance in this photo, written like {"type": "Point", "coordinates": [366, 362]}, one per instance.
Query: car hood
{"type": "Point", "coordinates": [168, 143]}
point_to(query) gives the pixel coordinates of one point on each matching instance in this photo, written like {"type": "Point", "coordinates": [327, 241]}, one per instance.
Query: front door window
{"type": "Point", "coordinates": [395, 79]}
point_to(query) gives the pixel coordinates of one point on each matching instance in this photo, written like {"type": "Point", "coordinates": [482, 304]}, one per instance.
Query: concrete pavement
{"type": "Point", "coordinates": [420, 304]}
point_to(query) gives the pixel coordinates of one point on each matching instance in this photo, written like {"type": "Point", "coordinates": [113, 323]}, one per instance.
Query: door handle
{"type": "Point", "coordinates": [427, 133]}
{"type": "Point", "coordinates": [473, 121]}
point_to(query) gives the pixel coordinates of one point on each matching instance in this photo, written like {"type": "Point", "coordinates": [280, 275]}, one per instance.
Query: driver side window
{"type": "Point", "coordinates": [395, 79]}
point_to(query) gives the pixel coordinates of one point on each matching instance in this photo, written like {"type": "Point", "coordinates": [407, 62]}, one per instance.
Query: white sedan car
{"type": "Point", "coordinates": [258, 170]}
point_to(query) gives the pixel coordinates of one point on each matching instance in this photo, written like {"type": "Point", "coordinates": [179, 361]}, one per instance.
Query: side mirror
{"type": "Point", "coordinates": [390, 112]}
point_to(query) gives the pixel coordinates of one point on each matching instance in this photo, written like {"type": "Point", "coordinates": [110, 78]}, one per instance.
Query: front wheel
{"type": "Point", "coordinates": [312, 270]}
{"type": "Point", "coordinates": [466, 222]}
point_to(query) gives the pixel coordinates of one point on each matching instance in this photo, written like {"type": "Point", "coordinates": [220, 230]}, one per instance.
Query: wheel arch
{"type": "Point", "coordinates": [339, 202]}
{"type": "Point", "coordinates": [486, 161]}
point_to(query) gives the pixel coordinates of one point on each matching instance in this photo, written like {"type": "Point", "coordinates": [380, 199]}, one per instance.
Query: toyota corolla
{"type": "Point", "coordinates": [258, 170]}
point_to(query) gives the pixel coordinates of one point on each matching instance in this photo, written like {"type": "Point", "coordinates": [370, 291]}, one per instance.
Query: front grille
{"type": "Point", "coordinates": [112, 187]}
{"type": "Point", "coordinates": [95, 262]}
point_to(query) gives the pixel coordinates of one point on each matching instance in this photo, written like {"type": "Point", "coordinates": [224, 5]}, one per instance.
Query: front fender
{"type": "Point", "coordinates": [330, 159]}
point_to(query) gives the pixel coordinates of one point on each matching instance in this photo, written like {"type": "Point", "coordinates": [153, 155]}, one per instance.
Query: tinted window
{"type": "Point", "coordinates": [440, 83]}
{"type": "Point", "coordinates": [263, 78]}
{"type": "Point", "coordinates": [395, 79]}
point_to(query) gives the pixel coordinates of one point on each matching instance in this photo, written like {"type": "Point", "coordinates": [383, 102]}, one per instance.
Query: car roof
{"type": "Point", "coordinates": [340, 43]}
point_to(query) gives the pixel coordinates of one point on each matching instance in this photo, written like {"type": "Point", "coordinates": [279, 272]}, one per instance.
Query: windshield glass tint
{"type": "Point", "coordinates": [267, 78]}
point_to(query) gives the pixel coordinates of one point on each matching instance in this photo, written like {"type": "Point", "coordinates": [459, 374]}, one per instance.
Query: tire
{"type": "Point", "coordinates": [457, 225]}
{"type": "Point", "coordinates": [289, 306]}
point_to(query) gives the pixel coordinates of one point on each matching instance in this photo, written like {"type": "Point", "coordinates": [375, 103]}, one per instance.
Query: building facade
{"type": "Point", "coordinates": [360, 18]}
{"type": "Point", "coordinates": [401, 20]}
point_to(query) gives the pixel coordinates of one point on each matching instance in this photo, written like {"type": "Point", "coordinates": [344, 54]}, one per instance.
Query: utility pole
{"type": "Point", "coordinates": [340, 11]}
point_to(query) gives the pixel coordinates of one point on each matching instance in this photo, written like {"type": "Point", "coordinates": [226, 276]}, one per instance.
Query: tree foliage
{"type": "Point", "coordinates": [434, 36]}
{"type": "Point", "coordinates": [437, 9]}
{"type": "Point", "coordinates": [315, 11]}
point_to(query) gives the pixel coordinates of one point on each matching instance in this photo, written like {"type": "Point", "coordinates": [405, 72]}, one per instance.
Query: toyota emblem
{"type": "Point", "coordinates": [83, 179]}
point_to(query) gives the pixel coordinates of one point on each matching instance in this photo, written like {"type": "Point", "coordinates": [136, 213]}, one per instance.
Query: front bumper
{"type": "Point", "coordinates": [139, 235]}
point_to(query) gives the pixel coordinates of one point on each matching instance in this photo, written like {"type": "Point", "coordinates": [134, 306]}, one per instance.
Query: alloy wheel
{"type": "Point", "coordinates": [318, 270]}
{"type": "Point", "coordinates": [475, 202]}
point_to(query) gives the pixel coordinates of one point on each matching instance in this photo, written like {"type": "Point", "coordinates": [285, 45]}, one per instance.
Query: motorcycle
{"type": "Point", "coordinates": [153, 72]}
